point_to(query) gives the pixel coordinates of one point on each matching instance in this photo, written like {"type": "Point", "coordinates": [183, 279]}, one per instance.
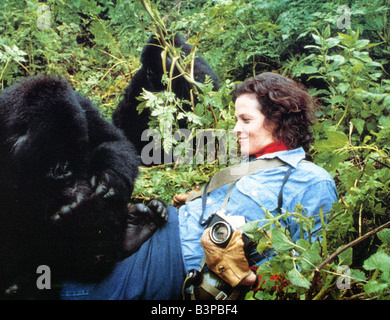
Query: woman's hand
{"type": "Point", "coordinates": [229, 262]}
{"type": "Point", "coordinates": [249, 280]}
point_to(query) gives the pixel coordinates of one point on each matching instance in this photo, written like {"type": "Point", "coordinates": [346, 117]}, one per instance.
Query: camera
{"type": "Point", "coordinates": [205, 284]}
{"type": "Point", "coordinates": [222, 228]}
{"type": "Point", "coordinates": [220, 233]}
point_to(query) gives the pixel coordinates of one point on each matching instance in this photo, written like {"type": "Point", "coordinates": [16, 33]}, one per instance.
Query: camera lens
{"type": "Point", "coordinates": [220, 233]}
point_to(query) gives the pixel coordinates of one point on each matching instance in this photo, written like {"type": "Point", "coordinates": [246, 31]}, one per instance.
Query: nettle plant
{"type": "Point", "coordinates": [304, 270]}
{"type": "Point", "coordinates": [292, 266]}
{"type": "Point", "coordinates": [353, 137]}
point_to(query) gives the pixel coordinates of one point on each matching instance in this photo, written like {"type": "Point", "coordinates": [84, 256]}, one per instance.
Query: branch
{"type": "Point", "coordinates": [162, 32]}
{"type": "Point", "coordinates": [342, 249]}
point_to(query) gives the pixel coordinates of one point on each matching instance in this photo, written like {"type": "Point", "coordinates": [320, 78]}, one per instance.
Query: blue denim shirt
{"type": "Point", "coordinates": [308, 185]}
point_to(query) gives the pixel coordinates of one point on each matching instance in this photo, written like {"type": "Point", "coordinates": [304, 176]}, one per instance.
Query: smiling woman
{"type": "Point", "coordinates": [285, 111]}
{"type": "Point", "coordinates": [252, 134]}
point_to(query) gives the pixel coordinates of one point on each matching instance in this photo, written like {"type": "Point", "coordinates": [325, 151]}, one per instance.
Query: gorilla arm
{"type": "Point", "coordinates": [114, 162]}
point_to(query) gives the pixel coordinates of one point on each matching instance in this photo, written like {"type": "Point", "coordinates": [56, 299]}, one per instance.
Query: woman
{"type": "Point", "coordinates": [274, 115]}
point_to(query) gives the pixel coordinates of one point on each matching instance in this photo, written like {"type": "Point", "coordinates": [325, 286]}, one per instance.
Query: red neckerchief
{"type": "Point", "coordinates": [271, 148]}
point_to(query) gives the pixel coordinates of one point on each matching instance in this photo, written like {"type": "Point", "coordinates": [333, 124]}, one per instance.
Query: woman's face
{"type": "Point", "coordinates": [252, 135]}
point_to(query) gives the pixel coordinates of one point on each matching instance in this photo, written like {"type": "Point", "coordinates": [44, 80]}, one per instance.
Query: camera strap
{"type": "Point", "coordinates": [233, 174]}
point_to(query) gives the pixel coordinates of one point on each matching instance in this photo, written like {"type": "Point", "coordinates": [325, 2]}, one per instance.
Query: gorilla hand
{"type": "Point", "coordinates": [77, 194]}
{"type": "Point", "coordinates": [110, 185]}
{"type": "Point", "coordinates": [105, 185]}
{"type": "Point", "coordinates": [142, 222]}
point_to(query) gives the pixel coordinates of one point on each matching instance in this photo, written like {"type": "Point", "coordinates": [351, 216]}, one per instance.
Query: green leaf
{"type": "Point", "coordinates": [317, 39]}
{"type": "Point", "coordinates": [358, 275]}
{"type": "Point", "coordinates": [343, 87]}
{"type": "Point", "coordinates": [280, 241]}
{"type": "Point", "coordinates": [345, 257]}
{"type": "Point", "coordinates": [331, 42]}
{"type": "Point", "coordinates": [264, 244]}
{"type": "Point", "coordinates": [309, 69]}
{"type": "Point", "coordinates": [375, 286]}
{"type": "Point", "coordinates": [335, 140]}
{"type": "Point", "coordinates": [337, 99]}
{"type": "Point", "coordinates": [359, 124]}
{"type": "Point", "coordinates": [357, 67]}
{"type": "Point", "coordinates": [251, 229]}
{"type": "Point", "coordinates": [379, 260]}
{"type": "Point", "coordinates": [384, 121]}
{"type": "Point", "coordinates": [297, 279]}
{"type": "Point", "coordinates": [384, 236]}
{"type": "Point", "coordinates": [303, 244]}
{"type": "Point", "coordinates": [337, 58]}
{"type": "Point", "coordinates": [312, 257]}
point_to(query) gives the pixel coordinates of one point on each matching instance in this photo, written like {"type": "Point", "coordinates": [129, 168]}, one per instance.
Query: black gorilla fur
{"type": "Point", "coordinates": [66, 177]}
{"type": "Point", "coordinates": [126, 116]}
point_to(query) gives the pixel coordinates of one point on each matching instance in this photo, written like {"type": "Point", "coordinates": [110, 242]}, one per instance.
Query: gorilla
{"type": "Point", "coordinates": [66, 179]}
{"type": "Point", "coordinates": [149, 77]}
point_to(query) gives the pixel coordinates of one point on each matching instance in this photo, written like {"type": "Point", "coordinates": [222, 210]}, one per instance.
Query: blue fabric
{"type": "Point", "coordinates": [308, 185]}
{"type": "Point", "coordinates": [155, 272]}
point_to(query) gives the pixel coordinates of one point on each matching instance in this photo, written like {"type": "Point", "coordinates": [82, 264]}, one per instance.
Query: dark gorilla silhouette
{"type": "Point", "coordinates": [66, 178]}
{"type": "Point", "coordinates": [126, 116]}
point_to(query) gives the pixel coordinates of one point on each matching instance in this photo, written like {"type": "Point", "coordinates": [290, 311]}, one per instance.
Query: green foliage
{"type": "Point", "coordinates": [379, 263]}
{"type": "Point", "coordinates": [91, 43]}
{"type": "Point", "coordinates": [303, 270]}
{"type": "Point", "coordinates": [350, 136]}
{"type": "Point", "coordinates": [341, 55]}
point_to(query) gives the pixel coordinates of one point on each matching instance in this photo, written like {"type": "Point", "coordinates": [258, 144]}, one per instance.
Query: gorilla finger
{"type": "Point", "coordinates": [80, 197]}
{"type": "Point", "coordinates": [58, 215]}
{"type": "Point", "coordinates": [93, 181]}
{"type": "Point", "coordinates": [139, 214]}
{"type": "Point", "coordinates": [101, 190]}
{"type": "Point", "coordinates": [11, 290]}
{"type": "Point", "coordinates": [165, 215]}
{"type": "Point", "coordinates": [111, 192]}
{"type": "Point", "coordinates": [160, 211]}
{"type": "Point", "coordinates": [64, 211]}
{"type": "Point", "coordinates": [55, 218]}
{"type": "Point", "coordinates": [139, 209]}
{"type": "Point", "coordinates": [156, 206]}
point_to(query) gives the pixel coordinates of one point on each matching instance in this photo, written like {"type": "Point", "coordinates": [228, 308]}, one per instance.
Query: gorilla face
{"type": "Point", "coordinates": [45, 138]}
{"type": "Point", "coordinates": [44, 145]}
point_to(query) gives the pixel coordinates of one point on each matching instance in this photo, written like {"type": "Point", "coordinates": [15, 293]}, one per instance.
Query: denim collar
{"type": "Point", "coordinates": [291, 157]}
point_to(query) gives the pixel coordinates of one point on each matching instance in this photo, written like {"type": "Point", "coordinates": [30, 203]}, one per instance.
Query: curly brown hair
{"type": "Point", "coordinates": [288, 108]}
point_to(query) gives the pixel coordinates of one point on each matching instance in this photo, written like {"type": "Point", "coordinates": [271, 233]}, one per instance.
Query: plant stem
{"type": "Point", "coordinates": [324, 241]}
{"type": "Point", "coordinates": [161, 30]}
{"type": "Point", "coordinates": [342, 249]}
